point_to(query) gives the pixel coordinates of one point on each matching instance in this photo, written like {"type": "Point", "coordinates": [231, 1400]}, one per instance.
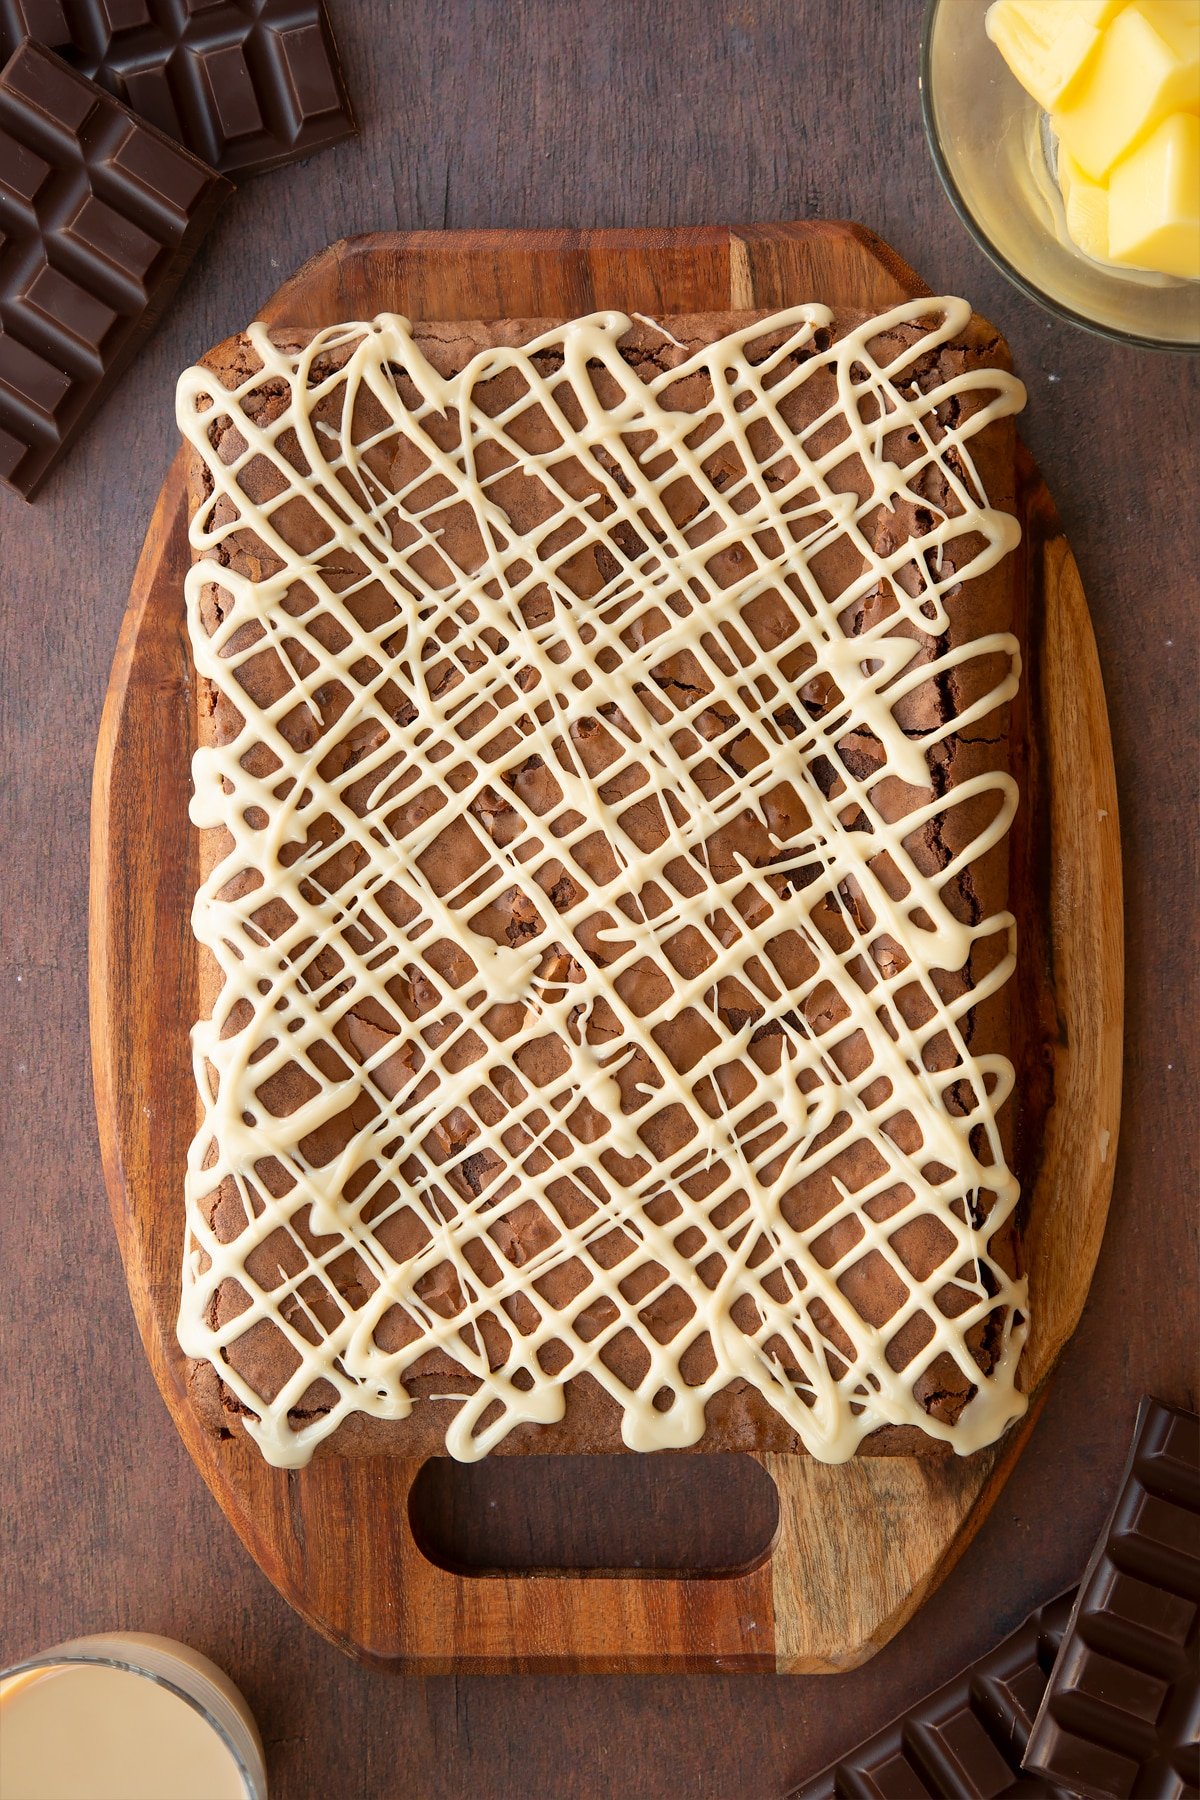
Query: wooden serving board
{"type": "Point", "coordinates": [858, 1547]}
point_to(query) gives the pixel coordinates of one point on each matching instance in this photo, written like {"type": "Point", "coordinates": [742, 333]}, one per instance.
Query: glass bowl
{"type": "Point", "coordinates": [995, 154]}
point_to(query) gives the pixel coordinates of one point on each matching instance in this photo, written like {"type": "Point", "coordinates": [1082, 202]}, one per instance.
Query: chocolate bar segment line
{"type": "Point", "coordinates": [99, 216]}
{"type": "Point", "coordinates": [244, 84]}
{"type": "Point", "coordinates": [964, 1741]}
{"type": "Point", "coordinates": [1121, 1714]}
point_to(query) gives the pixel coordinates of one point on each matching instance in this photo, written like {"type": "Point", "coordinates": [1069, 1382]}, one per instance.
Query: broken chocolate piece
{"type": "Point", "coordinates": [1121, 1714]}
{"type": "Point", "coordinates": [245, 84]}
{"type": "Point", "coordinates": [965, 1741]}
{"type": "Point", "coordinates": [99, 217]}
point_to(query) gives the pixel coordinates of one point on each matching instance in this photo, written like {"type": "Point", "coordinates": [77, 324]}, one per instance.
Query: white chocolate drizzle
{"type": "Point", "coordinates": [694, 1255]}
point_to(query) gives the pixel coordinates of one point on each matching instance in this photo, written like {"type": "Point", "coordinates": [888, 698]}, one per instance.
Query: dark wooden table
{"type": "Point", "coordinates": [557, 112]}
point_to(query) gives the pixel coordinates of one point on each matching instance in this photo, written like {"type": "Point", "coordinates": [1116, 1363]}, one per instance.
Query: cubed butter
{"type": "Point", "coordinates": [1085, 203]}
{"type": "Point", "coordinates": [1154, 201]}
{"type": "Point", "coordinates": [1147, 66]}
{"type": "Point", "coordinates": [1047, 42]}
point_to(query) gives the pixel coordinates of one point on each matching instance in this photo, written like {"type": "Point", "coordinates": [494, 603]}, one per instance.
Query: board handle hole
{"type": "Point", "coordinates": [669, 1514]}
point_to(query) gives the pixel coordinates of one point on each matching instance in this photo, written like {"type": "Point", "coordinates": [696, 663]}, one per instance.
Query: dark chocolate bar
{"type": "Point", "coordinates": [99, 217]}
{"type": "Point", "coordinates": [245, 84]}
{"type": "Point", "coordinates": [965, 1741]}
{"type": "Point", "coordinates": [1121, 1714]}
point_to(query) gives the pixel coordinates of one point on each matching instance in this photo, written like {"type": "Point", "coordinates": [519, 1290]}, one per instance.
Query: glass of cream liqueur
{"type": "Point", "coordinates": [126, 1717]}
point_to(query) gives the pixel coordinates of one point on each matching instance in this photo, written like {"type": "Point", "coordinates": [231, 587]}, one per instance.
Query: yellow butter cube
{"type": "Point", "coordinates": [1085, 203]}
{"type": "Point", "coordinates": [1046, 42]}
{"type": "Point", "coordinates": [1182, 13]}
{"type": "Point", "coordinates": [1147, 66]}
{"type": "Point", "coordinates": [1154, 201]}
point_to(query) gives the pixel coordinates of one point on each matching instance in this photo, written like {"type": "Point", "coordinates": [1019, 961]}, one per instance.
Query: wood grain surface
{"type": "Point", "coordinates": [544, 114]}
{"type": "Point", "coordinates": [855, 1550]}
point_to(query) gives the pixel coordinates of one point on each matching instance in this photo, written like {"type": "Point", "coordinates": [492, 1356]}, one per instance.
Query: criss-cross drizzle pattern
{"type": "Point", "coordinates": [595, 998]}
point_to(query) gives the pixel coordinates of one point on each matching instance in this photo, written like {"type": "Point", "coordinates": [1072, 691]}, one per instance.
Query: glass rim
{"type": "Point", "coordinates": [1113, 333]}
{"type": "Point", "coordinates": [79, 1652]}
